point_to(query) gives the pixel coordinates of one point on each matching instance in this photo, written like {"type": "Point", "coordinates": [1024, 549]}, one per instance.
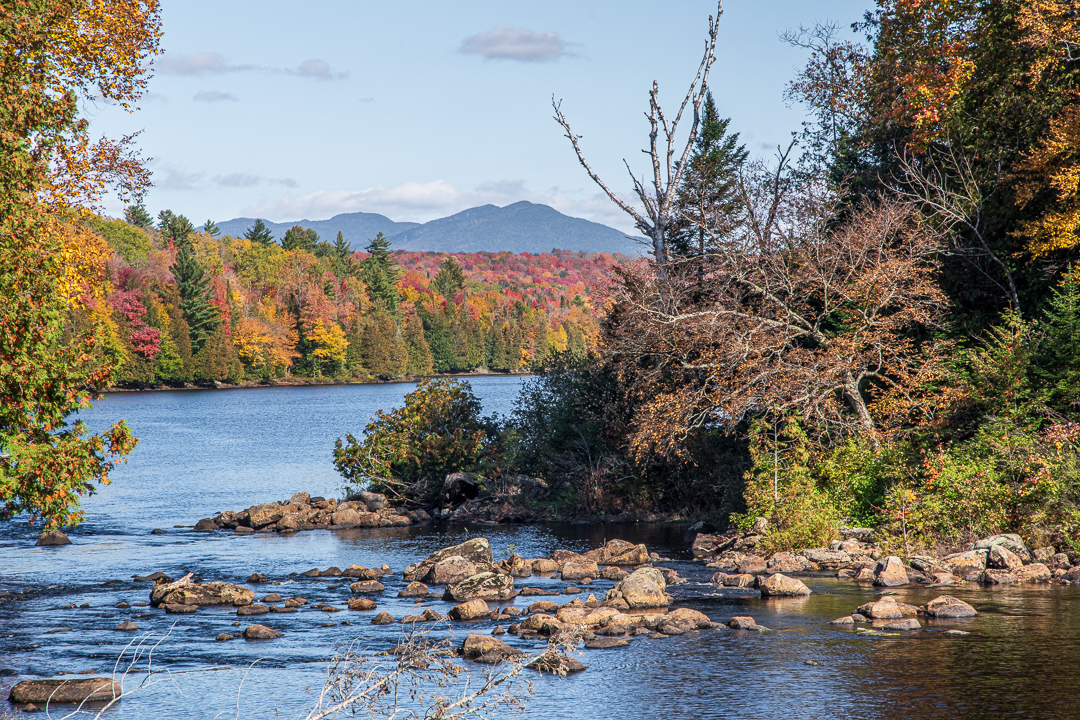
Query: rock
{"type": "Point", "coordinates": [476, 646]}
{"type": "Point", "coordinates": [886, 609]}
{"type": "Point", "coordinates": [698, 528]}
{"type": "Point", "coordinates": [255, 609]}
{"type": "Point", "coordinates": [1059, 561]}
{"type": "Point", "coordinates": [372, 500]}
{"type": "Point", "coordinates": [940, 579]}
{"type": "Point", "coordinates": [643, 588]}
{"type": "Point", "coordinates": [272, 598]}
{"type": "Point", "coordinates": [477, 551]}
{"type": "Point", "coordinates": [890, 572]}
{"type": "Point", "coordinates": [289, 523]}
{"type": "Point", "coordinates": [52, 538]}
{"type": "Point", "coordinates": [966, 565]}
{"type": "Point", "coordinates": [578, 569]}
{"type": "Point", "coordinates": [347, 518]}
{"type": "Point", "coordinates": [997, 577]}
{"type": "Point", "coordinates": [706, 545]}
{"type": "Point", "coordinates": [604, 643]}
{"type": "Point", "coordinates": [1002, 558]}
{"type": "Point", "coordinates": [383, 618]}
{"type": "Point", "coordinates": [362, 603]}
{"type": "Point", "coordinates": [415, 589]}
{"type": "Point", "coordinates": [485, 586]}
{"type": "Point", "coordinates": [177, 609]}
{"type": "Point", "coordinates": [737, 580]}
{"type": "Point", "coordinates": [366, 586]}
{"type": "Point", "coordinates": [543, 606]}
{"type": "Point", "coordinates": [544, 565]}
{"type": "Point", "coordinates": [94, 689]}
{"type": "Point", "coordinates": [257, 579]}
{"type": "Point", "coordinates": [778, 585]}
{"type": "Point", "coordinates": [955, 633]}
{"type": "Point", "coordinates": [158, 531]}
{"type": "Point", "coordinates": [745, 622]}
{"type": "Point", "coordinates": [1033, 573]}
{"type": "Point", "coordinates": [905, 624]}
{"type": "Point", "coordinates": [206, 525]}
{"type": "Point", "coordinates": [222, 637]}
{"type": "Point", "coordinates": [186, 592]}
{"type": "Point", "coordinates": [556, 663]}
{"type": "Point", "coordinates": [1043, 554]}
{"type": "Point", "coordinates": [472, 610]}
{"type": "Point", "coordinates": [259, 516]}
{"type": "Point", "coordinates": [846, 620]}
{"type": "Point", "coordinates": [285, 609]}
{"type": "Point", "coordinates": [295, 602]}
{"type": "Point", "coordinates": [751, 565]}
{"type": "Point", "coordinates": [300, 498]}
{"type": "Point", "coordinates": [1071, 576]}
{"type": "Point", "coordinates": [260, 632]}
{"type": "Point", "coordinates": [127, 626]}
{"type": "Point", "coordinates": [450, 570]}
{"type": "Point", "coordinates": [787, 562]}
{"type": "Point", "coordinates": [1010, 541]}
{"type": "Point", "coordinates": [632, 556]}
{"type": "Point", "coordinates": [614, 573]}
{"type": "Point", "coordinates": [946, 606]}
{"type": "Point", "coordinates": [827, 559]}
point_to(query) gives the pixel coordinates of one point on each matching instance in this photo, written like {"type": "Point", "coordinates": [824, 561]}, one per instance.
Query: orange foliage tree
{"type": "Point", "coordinates": [54, 52]}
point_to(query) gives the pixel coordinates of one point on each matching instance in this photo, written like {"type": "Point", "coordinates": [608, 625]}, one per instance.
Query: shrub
{"type": "Point", "coordinates": [408, 451]}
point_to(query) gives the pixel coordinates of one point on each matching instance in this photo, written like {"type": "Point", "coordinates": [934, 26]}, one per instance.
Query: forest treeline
{"type": "Point", "coordinates": [190, 305]}
{"type": "Point", "coordinates": [878, 327]}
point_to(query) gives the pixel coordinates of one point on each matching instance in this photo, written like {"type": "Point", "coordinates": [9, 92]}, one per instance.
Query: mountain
{"type": "Point", "coordinates": [520, 227]}
{"type": "Point", "coordinates": [357, 228]}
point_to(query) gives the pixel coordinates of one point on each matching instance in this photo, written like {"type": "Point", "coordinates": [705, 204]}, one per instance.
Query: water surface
{"type": "Point", "coordinates": [206, 451]}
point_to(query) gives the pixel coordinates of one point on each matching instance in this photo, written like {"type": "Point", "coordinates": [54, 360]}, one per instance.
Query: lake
{"type": "Point", "coordinates": [201, 452]}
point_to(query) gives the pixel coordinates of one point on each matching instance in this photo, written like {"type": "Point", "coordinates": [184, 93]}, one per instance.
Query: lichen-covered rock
{"type": "Point", "coordinates": [415, 589]}
{"type": "Point", "coordinates": [449, 570]}
{"type": "Point", "coordinates": [186, 592]}
{"type": "Point", "coordinates": [947, 606]}
{"type": "Point", "coordinates": [485, 586]}
{"type": "Point", "coordinates": [751, 565]}
{"type": "Point", "coordinates": [1002, 558]}
{"type": "Point", "coordinates": [788, 562]}
{"type": "Point", "coordinates": [1033, 573]}
{"type": "Point", "coordinates": [631, 556]}
{"type": "Point", "coordinates": [991, 576]}
{"type": "Point", "coordinates": [476, 646]}
{"type": "Point", "coordinates": [886, 608]}
{"type": "Point", "coordinates": [966, 565]}
{"type": "Point", "coordinates": [259, 516]}
{"type": "Point", "coordinates": [827, 559]}
{"type": "Point", "coordinates": [366, 586]}
{"type": "Point", "coordinates": [471, 610]}
{"type": "Point", "coordinates": [579, 569]}
{"type": "Point", "coordinates": [643, 588]}
{"type": "Point", "coordinates": [544, 565]}
{"type": "Point", "coordinates": [1011, 541]}
{"type": "Point", "coordinates": [477, 551]}
{"type": "Point", "coordinates": [778, 585]}
{"type": "Point", "coordinates": [65, 691]}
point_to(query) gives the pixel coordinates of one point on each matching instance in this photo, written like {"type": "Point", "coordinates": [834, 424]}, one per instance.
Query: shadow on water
{"type": "Point", "coordinates": [202, 452]}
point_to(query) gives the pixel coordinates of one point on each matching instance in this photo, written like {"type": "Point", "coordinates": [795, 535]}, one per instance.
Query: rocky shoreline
{"type": "Point", "coordinates": [299, 382]}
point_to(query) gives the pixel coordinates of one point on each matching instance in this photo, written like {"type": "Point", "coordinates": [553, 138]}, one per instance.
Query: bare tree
{"type": "Point", "coordinates": [658, 196]}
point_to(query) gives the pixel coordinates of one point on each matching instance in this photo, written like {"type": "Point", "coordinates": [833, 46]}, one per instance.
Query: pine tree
{"type": "Point", "coordinates": [440, 338]}
{"type": "Point", "coordinates": [706, 198]}
{"type": "Point", "coordinates": [211, 228]}
{"type": "Point", "coordinates": [193, 284]}
{"type": "Point", "coordinates": [380, 275]}
{"type": "Point", "coordinates": [300, 238]}
{"type": "Point", "coordinates": [541, 348]}
{"type": "Point", "coordinates": [259, 233]}
{"type": "Point", "coordinates": [449, 279]}
{"type": "Point", "coordinates": [1058, 358]}
{"type": "Point", "coordinates": [342, 247]}
{"type": "Point", "coordinates": [136, 215]}
{"type": "Point", "coordinates": [176, 229]}
{"type": "Point", "coordinates": [419, 362]}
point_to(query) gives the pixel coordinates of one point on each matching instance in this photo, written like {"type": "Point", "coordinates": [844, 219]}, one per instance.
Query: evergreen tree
{"type": "Point", "coordinates": [176, 229]}
{"type": "Point", "coordinates": [211, 228]}
{"type": "Point", "coordinates": [380, 275]}
{"type": "Point", "coordinates": [419, 354]}
{"type": "Point", "coordinates": [193, 284]}
{"type": "Point", "coordinates": [259, 233]}
{"type": "Point", "coordinates": [440, 338]}
{"type": "Point", "coordinates": [449, 279]}
{"type": "Point", "coordinates": [136, 215]}
{"type": "Point", "coordinates": [385, 353]}
{"type": "Point", "coordinates": [1058, 358]}
{"type": "Point", "coordinates": [706, 199]}
{"type": "Point", "coordinates": [342, 247]}
{"type": "Point", "coordinates": [541, 348]}
{"type": "Point", "coordinates": [575, 342]}
{"type": "Point", "coordinates": [300, 238]}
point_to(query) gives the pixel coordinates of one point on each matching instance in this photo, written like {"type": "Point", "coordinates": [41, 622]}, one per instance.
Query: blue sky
{"type": "Point", "coordinates": [417, 110]}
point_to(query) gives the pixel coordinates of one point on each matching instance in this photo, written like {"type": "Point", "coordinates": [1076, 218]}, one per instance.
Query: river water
{"type": "Point", "coordinates": [201, 452]}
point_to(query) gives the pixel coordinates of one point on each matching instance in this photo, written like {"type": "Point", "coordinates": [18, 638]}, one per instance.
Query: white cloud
{"type": "Point", "coordinates": [519, 44]}
{"type": "Point", "coordinates": [212, 96]}
{"type": "Point", "coordinates": [316, 69]}
{"type": "Point", "coordinates": [244, 180]}
{"type": "Point", "coordinates": [167, 177]}
{"type": "Point", "coordinates": [420, 202]}
{"type": "Point", "coordinates": [205, 63]}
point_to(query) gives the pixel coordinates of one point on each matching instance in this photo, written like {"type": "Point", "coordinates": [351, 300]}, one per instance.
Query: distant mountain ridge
{"type": "Point", "coordinates": [519, 227]}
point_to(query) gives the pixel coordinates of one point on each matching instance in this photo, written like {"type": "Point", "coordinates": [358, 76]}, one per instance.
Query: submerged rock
{"type": "Point", "coordinates": [947, 606]}
{"type": "Point", "coordinates": [95, 689]}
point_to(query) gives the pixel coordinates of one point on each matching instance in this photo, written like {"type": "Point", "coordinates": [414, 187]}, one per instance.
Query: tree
{"type": "Point", "coordinates": [449, 279]}
{"type": "Point", "coordinates": [419, 362]}
{"type": "Point", "coordinates": [176, 229]}
{"type": "Point", "coordinates": [259, 233]}
{"type": "Point", "coordinates": [660, 218]}
{"type": "Point", "coordinates": [202, 316]}
{"type": "Point", "coordinates": [211, 228]}
{"type": "Point", "coordinates": [706, 204]}
{"type": "Point", "coordinates": [300, 238]}
{"type": "Point", "coordinates": [1058, 357]}
{"type": "Point", "coordinates": [136, 215]}
{"type": "Point", "coordinates": [330, 346]}
{"type": "Point", "coordinates": [342, 247]}
{"type": "Point", "coordinates": [54, 54]}
{"type": "Point", "coordinates": [380, 274]}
